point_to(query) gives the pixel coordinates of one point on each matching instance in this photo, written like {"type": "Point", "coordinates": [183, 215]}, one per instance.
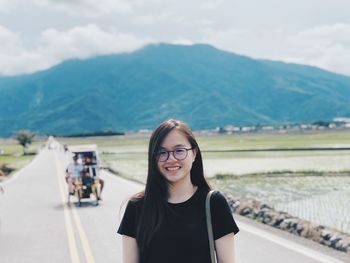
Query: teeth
{"type": "Point", "coordinates": [172, 168]}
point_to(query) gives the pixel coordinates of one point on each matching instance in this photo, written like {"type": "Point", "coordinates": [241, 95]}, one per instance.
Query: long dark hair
{"type": "Point", "coordinates": [155, 197]}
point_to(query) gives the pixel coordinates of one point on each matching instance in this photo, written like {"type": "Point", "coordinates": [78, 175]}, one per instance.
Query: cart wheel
{"type": "Point", "coordinates": [79, 197]}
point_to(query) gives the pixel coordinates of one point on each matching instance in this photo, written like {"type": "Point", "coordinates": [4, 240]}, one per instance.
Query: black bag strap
{"type": "Point", "coordinates": [210, 227]}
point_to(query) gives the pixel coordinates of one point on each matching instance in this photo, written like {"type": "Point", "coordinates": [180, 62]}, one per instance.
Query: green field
{"type": "Point", "coordinates": [137, 143]}
{"type": "Point", "coordinates": [265, 141]}
{"type": "Point", "coordinates": [12, 153]}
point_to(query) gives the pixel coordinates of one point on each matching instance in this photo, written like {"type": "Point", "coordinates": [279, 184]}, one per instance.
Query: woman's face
{"type": "Point", "coordinates": [172, 169]}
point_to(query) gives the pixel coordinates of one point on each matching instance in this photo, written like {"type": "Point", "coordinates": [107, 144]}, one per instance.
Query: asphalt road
{"type": "Point", "coordinates": [37, 225]}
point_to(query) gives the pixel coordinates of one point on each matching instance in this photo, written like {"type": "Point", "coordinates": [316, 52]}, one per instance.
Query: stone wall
{"type": "Point", "coordinates": [281, 220]}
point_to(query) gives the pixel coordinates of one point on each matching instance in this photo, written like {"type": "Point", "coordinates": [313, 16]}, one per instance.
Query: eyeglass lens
{"type": "Point", "coordinates": [179, 154]}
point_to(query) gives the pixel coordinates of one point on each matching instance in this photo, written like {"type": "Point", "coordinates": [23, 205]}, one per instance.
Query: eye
{"type": "Point", "coordinates": [180, 150]}
{"type": "Point", "coordinates": [162, 153]}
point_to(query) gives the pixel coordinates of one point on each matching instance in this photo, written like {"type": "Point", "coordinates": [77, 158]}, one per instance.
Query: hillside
{"type": "Point", "coordinates": [200, 84]}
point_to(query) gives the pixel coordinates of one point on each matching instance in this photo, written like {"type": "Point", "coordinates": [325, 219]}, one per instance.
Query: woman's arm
{"type": "Point", "coordinates": [130, 250]}
{"type": "Point", "coordinates": [225, 249]}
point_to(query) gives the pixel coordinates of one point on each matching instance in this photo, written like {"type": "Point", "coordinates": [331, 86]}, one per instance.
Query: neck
{"type": "Point", "coordinates": [181, 191]}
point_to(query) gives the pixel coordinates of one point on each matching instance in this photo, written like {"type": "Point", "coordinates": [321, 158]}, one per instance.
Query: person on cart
{"type": "Point", "coordinates": [74, 172]}
{"type": "Point", "coordinates": [91, 166]}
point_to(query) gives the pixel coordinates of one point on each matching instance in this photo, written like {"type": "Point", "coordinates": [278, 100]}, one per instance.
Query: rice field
{"type": "Point", "coordinates": [322, 198]}
{"type": "Point", "coordinates": [262, 162]}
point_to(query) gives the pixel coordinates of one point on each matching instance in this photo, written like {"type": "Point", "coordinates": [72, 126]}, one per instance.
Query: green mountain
{"type": "Point", "coordinates": [199, 84]}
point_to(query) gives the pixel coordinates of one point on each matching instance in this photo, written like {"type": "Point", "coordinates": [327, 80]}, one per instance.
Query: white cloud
{"type": "Point", "coordinates": [10, 42]}
{"type": "Point", "coordinates": [55, 46]}
{"type": "Point", "coordinates": [13, 56]}
{"type": "Point", "coordinates": [150, 19]}
{"type": "Point", "coordinates": [326, 46]}
{"type": "Point", "coordinates": [7, 5]}
{"type": "Point", "coordinates": [204, 22]}
{"type": "Point", "coordinates": [88, 40]}
{"type": "Point", "coordinates": [93, 7]}
{"type": "Point", "coordinates": [210, 5]}
{"type": "Point", "coordinates": [182, 41]}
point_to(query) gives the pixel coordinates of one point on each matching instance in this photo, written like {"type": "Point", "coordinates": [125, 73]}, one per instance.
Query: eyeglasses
{"type": "Point", "coordinates": [179, 154]}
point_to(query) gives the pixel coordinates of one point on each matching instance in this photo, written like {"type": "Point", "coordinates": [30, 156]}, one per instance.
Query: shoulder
{"type": "Point", "coordinates": [135, 202]}
{"type": "Point", "coordinates": [217, 197]}
{"type": "Point", "coordinates": [133, 208]}
{"type": "Point", "coordinates": [218, 201]}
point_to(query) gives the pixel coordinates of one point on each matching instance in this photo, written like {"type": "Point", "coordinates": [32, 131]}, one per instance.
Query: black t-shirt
{"type": "Point", "coordinates": [183, 237]}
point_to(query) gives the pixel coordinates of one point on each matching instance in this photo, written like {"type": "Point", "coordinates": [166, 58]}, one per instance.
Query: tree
{"type": "Point", "coordinates": [24, 138]}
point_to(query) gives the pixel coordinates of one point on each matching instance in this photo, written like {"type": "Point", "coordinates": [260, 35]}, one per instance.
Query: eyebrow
{"type": "Point", "coordinates": [177, 145]}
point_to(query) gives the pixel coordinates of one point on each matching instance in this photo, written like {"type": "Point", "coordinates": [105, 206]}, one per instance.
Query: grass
{"type": "Point", "coordinates": [13, 153]}
{"type": "Point", "coordinates": [263, 141]}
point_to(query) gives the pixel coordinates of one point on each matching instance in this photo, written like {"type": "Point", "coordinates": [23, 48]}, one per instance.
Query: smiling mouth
{"type": "Point", "coordinates": [172, 168]}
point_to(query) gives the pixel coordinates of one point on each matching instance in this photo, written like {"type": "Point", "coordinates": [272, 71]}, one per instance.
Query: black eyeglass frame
{"type": "Point", "coordinates": [157, 155]}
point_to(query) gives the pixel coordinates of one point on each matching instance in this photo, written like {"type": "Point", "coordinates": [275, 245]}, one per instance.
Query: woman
{"type": "Point", "coordinates": [166, 222]}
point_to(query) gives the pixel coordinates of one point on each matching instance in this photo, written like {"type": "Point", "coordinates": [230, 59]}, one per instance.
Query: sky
{"type": "Point", "coordinates": [38, 34]}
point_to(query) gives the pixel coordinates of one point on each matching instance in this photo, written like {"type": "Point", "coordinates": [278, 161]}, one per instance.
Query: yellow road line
{"type": "Point", "coordinates": [84, 241]}
{"type": "Point", "coordinates": [83, 238]}
{"type": "Point", "coordinates": [73, 251]}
